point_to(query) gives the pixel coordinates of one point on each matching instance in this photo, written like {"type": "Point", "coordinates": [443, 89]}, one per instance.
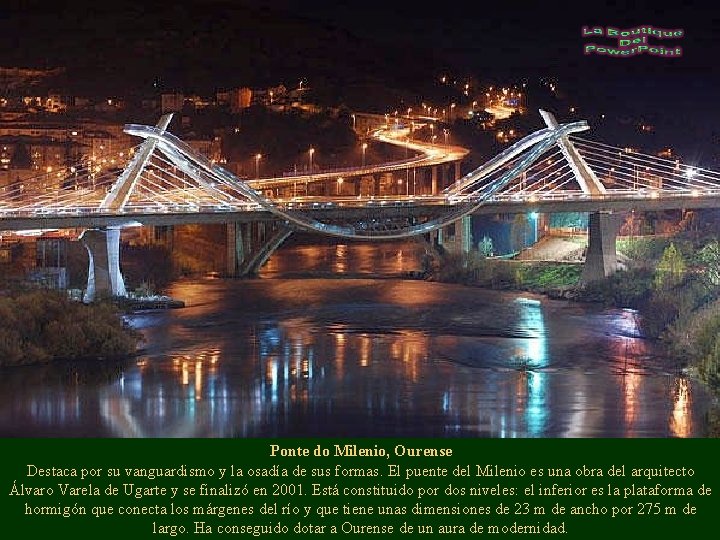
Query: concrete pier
{"type": "Point", "coordinates": [104, 276]}
{"type": "Point", "coordinates": [601, 257]}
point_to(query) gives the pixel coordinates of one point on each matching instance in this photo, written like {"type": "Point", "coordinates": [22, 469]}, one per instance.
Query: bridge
{"type": "Point", "coordinates": [167, 182]}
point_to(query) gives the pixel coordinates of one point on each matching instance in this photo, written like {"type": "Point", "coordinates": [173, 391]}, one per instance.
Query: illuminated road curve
{"type": "Point", "coordinates": [427, 155]}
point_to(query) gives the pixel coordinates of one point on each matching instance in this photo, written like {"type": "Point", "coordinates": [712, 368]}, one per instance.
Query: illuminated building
{"type": "Point", "coordinates": [239, 99]}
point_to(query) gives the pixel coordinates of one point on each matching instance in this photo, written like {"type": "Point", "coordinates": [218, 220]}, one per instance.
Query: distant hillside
{"type": "Point", "coordinates": [200, 46]}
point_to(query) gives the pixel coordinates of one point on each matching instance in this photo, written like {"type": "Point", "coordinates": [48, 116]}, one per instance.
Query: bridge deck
{"type": "Point", "coordinates": [388, 209]}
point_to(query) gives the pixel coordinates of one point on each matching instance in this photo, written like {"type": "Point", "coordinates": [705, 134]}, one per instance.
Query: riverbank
{"type": "Point", "coordinates": [41, 326]}
{"type": "Point", "coordinates": [674, 283]}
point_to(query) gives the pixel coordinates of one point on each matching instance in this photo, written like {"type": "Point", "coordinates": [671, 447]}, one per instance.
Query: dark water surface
{"type": "Point", "coordinates": [360, 357]}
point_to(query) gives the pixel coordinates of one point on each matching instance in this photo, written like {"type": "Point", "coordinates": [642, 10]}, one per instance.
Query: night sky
{"type": "Point", "coordinates": [123, 48]}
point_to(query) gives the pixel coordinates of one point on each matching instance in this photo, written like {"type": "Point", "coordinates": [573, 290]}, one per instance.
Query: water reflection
{"type": "Point", "coordinates": [632, 362]}
{"type": "Point", "coordinates": [356, 258]}
{"type": "Point", "coordinates": [535, 358]}
{"type": "Point", "coordinates": [681, 421]}
{"type": "Point", "coordinates": [373, 357]}
{"type": "Point", "coordinates": [340, 265]}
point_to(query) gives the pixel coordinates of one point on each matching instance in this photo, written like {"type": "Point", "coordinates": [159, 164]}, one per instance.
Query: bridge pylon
{"type": "Point", "coordinates": [601, 254]}
{"type": "Point", "coordinates": [118, 196]}
{"type": "Point", "coordinates": [584, 175]}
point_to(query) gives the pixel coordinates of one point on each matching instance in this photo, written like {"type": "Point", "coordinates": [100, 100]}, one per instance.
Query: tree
{"type": "Point", "coordinates": [671, 268]}
{"type": "Point", "coordinates": [485, 246]}
{"type": "Point", "coordinates": [710, 256]}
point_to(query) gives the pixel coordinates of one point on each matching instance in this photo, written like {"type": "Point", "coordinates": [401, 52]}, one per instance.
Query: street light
{"type": "Point", "coordinates": [353, 117]}
{"type": "Point", "coordinates": [258, 157]}
{"type": "Point", "coordinates": [339, 184]}
{"type": "Point", "coordinates": [311, 151]}
{"type": "Point", "coordinates": [446, 132]}
{"type": "Point", "coordinates": [364, 147]}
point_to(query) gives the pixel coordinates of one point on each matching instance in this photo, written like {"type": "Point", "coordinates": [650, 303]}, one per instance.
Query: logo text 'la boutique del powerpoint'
{"type": "Point", "coordinates": [632, 42]}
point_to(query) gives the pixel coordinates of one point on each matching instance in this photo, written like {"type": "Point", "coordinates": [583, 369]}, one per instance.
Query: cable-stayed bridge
{"type": "Point", "coordinates": [166, 182]}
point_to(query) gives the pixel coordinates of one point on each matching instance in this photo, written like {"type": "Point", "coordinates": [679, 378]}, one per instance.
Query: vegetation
{"type": "Point", "coordinates": [545, 277]}
{"type": "Point", "coordinates": [679, 300]}
{"type": "Point", "coordinates": [709, 255]}
{"type": "Point", "coordinates": [671, 269]}
{"type": "Point", "coordinates": [642, 250]}
{"type": "Point", "coordinates": [696, 339]}
{"type": "Point", "coordinates": [625, 289]}
{"type": "Point", "coordinates": [485, 247]}
{"type": "Point", "coordinates": [674, 284]}
{"type": "Point", "coordinates": [477, 270]}
{"type": "Point", "coordinates": [42, 326]}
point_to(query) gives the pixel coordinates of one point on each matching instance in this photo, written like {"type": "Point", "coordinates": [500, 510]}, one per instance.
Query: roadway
{"type": "Point", "coordinates": [360, 208]}
{"type": "Point", "coordinates": [426, 155]}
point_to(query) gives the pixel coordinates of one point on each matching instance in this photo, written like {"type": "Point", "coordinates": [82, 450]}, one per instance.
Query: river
{"type": "Point", "coordinates": [363, 353]}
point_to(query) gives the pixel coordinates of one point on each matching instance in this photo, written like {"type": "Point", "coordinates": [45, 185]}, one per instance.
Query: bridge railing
{"type": "Point", "coordinates": [609, 195]}
{"type": "Point", "coordinates": [317, 203]}
{"type": "Point", "coordinates": [360, 201]}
